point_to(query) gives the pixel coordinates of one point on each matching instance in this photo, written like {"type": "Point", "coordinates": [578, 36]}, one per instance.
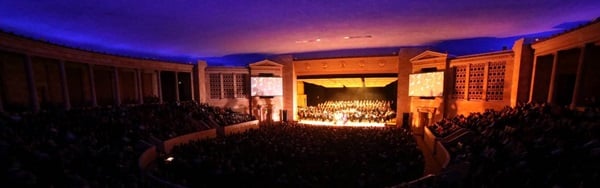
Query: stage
{"type": "Point", "coordinates": [341, 124]}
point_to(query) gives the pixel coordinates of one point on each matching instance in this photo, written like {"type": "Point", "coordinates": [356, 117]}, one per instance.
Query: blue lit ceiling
{"type": "Point", "coordinates": [230, 31]}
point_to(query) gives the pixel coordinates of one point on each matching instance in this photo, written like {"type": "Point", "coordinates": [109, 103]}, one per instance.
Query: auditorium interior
{"type": "Point", "coordinates": [88, 110]}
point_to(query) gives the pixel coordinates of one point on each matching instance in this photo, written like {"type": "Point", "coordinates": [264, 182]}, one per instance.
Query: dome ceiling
{"type": "Point", "coordinates": [184, 30]}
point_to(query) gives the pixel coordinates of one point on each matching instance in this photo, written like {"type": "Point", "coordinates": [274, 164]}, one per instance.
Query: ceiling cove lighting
{"type": "Point", "coordinates": [358, 37]}
{"type": "Point", "coordinates": [308, 41]}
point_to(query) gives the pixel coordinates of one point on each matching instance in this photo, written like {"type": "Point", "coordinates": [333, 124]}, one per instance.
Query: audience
{"type": "Point", "coordinates": [529, 145]}
{"type": "Point", "coordinates": [95, 147]}
{"type": "Point", "coordinates": [297, 156]}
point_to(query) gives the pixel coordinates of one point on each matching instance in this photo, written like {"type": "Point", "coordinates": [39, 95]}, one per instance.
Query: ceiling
{"type": "Point", "coordinates": [187, 30]}
{"type": "Point", "coordinates": [351, 82]}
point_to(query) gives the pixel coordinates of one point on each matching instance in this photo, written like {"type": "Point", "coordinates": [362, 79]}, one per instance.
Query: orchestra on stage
{"type": "Point", "coordinates": [344, 111]}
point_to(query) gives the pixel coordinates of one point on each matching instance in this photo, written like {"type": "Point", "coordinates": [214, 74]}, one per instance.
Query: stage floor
{"type": "Point", "coordinates": [341, 124]}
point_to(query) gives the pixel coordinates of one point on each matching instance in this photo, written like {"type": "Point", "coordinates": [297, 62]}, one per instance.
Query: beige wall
{"type": "Point", "coordinates": [269, 109]}
{"type": "Point", "coordinates": [466, 106]}
{"type": "Point", "coordinates": [290, 87]}
{"type": "Point", "coordinates": [433, 107]}
{"type": "Point", "coordinates": [404, 70]}
{"type": "Point", "coordinates": [353, 65]}
{"type": "Point", "coordinates": [428, 110]}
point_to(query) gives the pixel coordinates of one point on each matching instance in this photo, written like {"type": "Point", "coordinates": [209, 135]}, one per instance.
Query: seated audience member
{"type": "Point", "coordinates": [297, 156]}
{"type": "Point", "coordinates": [530, 145]}
{"type": "Point", "coordinates": [94, 147]}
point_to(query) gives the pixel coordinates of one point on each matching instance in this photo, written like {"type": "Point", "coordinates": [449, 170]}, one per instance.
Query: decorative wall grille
{"type": "Point", "coordinates": [495, 81]}
{"type": "Point", "coordinates": [214, 80]}
{"type": "Point", "coordinates": [228, 86]}
{"type": "Point", "coordinates": [460, 79]}
{"type": "Point", "coordinates": [240, 86]}
{"type": "Point", "coordinates": [476, 76]}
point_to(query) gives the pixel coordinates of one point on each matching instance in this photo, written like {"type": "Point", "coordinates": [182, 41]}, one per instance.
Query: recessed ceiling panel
{"type": "Point", "coordinates": [351, 82]}
{"type": "Point", "coordinates": [379, 82]}
{"type": "Point", "coordinates": [335, 82]}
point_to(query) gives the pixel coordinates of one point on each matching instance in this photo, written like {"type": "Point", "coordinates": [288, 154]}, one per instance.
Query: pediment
{"type": "Point", "coordinates": [265, 63]}
{"type": "Point", "coordinates": [429, 55]}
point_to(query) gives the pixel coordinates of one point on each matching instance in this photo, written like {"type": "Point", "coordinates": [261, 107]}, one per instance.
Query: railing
{"type": "Point", "coordinates": [440, 155]}
{"type": "Point", "coordinates": [439, 152]}
{"type": "Point", "coordinates": [151, 154]}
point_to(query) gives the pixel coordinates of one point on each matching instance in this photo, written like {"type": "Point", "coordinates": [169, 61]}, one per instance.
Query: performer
{"type": "Point", "coordinates": [344, 118]}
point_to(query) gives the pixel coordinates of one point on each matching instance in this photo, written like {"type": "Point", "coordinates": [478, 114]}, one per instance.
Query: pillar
{"type": "Point", "coordinates": [234, 85]}
{"type": "Point", "coordinates": [550, 98]}
{"type": "Point", "coordinates": [117, 86]}
{"type": "Point", "coordinates": [33, 96]}
{"type": "Point", "coordinates": [522, 70]}
{"type": "Point", "coordinates": [290, 87]}
{"type": "Point", "coordinates": [202, 81]}
{"type": "Point", "coordinates": [1, 104]}
{"type": "Point", "coordinates": [403, 101]}
{"type": "Point", "coordinates": [447, 91]}
{"type": "Point", "coordinates": [533, 72]}
{"type": "Point", "coordinates": [176, 86]}
{"type": "Point", "coordinates": [139, 89]}
{"type": "Point", "coordinates": [192, 86]}
{"type": "Point", "coordinates": [579, 77]}
{"type": "Point", "coordinates": [160, 96]}
{"type": "Point", "coordinates": [222, 96]}
{"type": "Point", "coordinates": [301, 95]}
{"type": "Point", "coordinates": [467, 78]}
{"type": "Point", "coordinates": [485, 80]}
{"type": "Point", "coordinates": [64, 86]}
{"type": "Point", "coordinates": [1, 93]}
{"type": "Point", "coordinates": [92, 85]}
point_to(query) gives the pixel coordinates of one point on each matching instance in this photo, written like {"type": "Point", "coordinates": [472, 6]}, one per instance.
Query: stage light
{"type": "Point", "coordinates": [169, 159]}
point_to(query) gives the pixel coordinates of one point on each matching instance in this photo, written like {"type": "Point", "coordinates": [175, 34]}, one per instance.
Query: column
{"type": "Point", "coordinates": [64, 86]}
{"type": "Point", "coordinates": [533, 72]}
{"type": "Point", "coordinates": [202, 82]}
{"type": "Point", "coordinates": [447, 90]}
{"type": "Point", "coordinates": [234, 85]}
{"type": "Point", "coordinates": [467, 78]}
{"type": "Point", "coordinates": [160, 96]}
{"type": "Point", "coordinates": [485, 81]}
{"type": "Point", "coordinates": [176, 86]}
{"type": "Point", "coordinates": [92, 85]}
{"type": "Point", "coordinates": [579, 77]}
{"type": "Point", "coordinates": [289, 101]}
{"type": "Point", "coordinates": [550, 98]}
{"type": "Point", "coordinates": [222, 88]}
{"type": "Point", "coordinates": [117, 87]}
{"type": "Point", "coordinates": [192, 86]}
{"type": "Point", "coordinates": [139, 89]}
{"type": "Point", "coordinates": [33, 96]}
{"type": "Point", "coordinates": [1, 104]}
